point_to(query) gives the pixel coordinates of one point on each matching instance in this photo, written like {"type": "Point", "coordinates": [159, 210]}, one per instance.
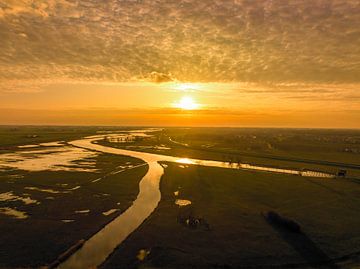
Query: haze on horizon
{"type": "Point", "coordinates": [180, 62]}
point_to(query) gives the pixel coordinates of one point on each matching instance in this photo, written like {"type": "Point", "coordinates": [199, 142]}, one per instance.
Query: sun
{"type": "Point", "coordinates": [187, 103]}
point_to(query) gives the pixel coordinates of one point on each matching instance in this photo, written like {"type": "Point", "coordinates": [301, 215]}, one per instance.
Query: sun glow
{"type": "Point", "coordinates": [187, 86]}
{"type": "Point", "coordinates": [187, 103]}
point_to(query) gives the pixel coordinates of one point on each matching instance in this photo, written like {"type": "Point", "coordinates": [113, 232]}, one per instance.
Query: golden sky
{"type": "Point", "coordinates": [180, 62]}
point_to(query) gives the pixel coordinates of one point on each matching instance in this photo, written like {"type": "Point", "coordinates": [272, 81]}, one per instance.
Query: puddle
{"type": "Point", "coordinates": [10, 196]}
{"type": "Point", "coordinates": [53, 159]}
{"type": "Point", "coordinates": [148, 147]}
{"type": "Point", "coordinates": [53, 144]}
{"type": "Point", "coordinates": [109, 212]}
{"type": "Point", "coordinates": [13, 213]}
{"type": "Point", "coordinates": [82, 211]}
{"type": "Point", "coordinates": [67, 220]}
{"type": "Point", "coordinates": [15, 176]}
{"type": "Point", "coordinates": [27, 146]}
{"type": "Point", "coordinates": [181, 202]}
{"type": "Point", "coordinates": [142, 254]}
{"type": "Point", "coordinates": [44, 190]}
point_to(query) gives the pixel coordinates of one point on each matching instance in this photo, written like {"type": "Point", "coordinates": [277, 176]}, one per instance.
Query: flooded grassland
{"type": "Point", "coordinates": [54, 195]}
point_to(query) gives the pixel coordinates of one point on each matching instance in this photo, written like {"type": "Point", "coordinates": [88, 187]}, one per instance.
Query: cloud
{"type": "Point", "coordinates": [257, 41]}
{"type": "Point", "coordinates": [157, 77]}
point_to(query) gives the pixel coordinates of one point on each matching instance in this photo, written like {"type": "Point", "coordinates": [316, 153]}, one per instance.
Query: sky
{"type": "Point", "coordinates": [263, 63]}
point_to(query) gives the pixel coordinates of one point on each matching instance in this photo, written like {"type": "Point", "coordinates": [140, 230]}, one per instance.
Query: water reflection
{"type": "Point", "coordinates": [109, 212]}
{"type": "Point", "coordinates": [181, 202]}
{"type": "Point", "coordinates": [185, 161]}
{"type": "Point", "coordinates": [246, 166]}
{"type": "Point", "coordinates": [53, 159]}
{"type": "Point", "coordinates": [13, 213]}
{"type": "Point", "coordinates": [10, 196]}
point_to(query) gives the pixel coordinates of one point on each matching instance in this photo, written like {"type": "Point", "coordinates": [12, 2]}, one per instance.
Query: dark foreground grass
{"type": "Point", "coordinates": [43, 236]}
{"type": "Point", "coordinates": [231, 202]}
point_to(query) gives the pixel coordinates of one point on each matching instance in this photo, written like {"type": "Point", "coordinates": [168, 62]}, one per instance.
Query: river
{"type": "Point", "coordinates": [95, 250]}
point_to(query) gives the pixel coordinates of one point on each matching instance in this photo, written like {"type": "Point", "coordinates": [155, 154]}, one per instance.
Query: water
{"type": "Point", "coordinates": [102, 244]}
{"type": "Point", "coordinates": [51, 159]}
{"type": "Point", "coordinates": [13, 213]}
{"type": "Point", "coordinates": [10, 196]}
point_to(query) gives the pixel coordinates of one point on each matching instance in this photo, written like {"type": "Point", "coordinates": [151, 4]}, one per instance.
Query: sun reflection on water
{"type": "Point", "coordinates": [185, 161]}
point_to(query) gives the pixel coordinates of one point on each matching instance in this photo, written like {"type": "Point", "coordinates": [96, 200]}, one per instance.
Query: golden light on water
{"type": "Point", "coordinates": [187, 103]}
{"type": "Point", "coordinates": [185, 161]}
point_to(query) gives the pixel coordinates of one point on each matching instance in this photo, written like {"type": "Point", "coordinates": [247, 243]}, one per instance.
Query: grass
{"type": "Point", "coordinates": [231, 201]}
{"type": "Point", "coordinates": [316, 144]}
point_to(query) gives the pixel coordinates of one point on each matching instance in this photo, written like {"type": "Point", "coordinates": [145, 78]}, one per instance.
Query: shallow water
{"type": "Point", "coordinates": [181, 202]}
{"type": "Point", "coordinates": [13, 213]}
{"type": "Point", "coordinates": [67, 220]}
{"type": "Point", "coordinates": [52, 159]}
{"type": "Point", "coordinates": [10, 196]}
{"type": "Point", "coordinates": [85, 211]}
{"type": "Point", "coordinates": [109, 212]}
{"type": "Point", "coordinates": [27, 146]}
{"type": "Point", "coordinates": [45, 190]}
{"type": "Point", "coordinates": [52, 144]}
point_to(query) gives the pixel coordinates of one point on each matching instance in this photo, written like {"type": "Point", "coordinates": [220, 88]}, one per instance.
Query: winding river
{"type": "Point", "coordinates": [95, 250]}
